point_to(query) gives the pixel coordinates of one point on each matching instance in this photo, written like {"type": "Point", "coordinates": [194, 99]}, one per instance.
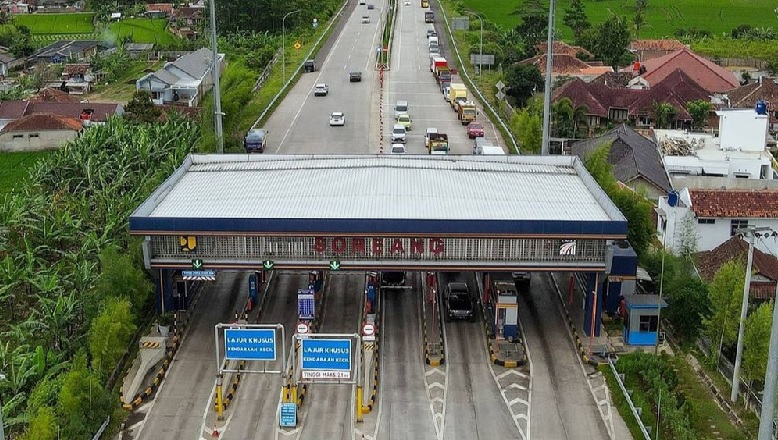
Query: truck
{"type": "Point", "coordinates": [429, 17]}
{"type": "Point", "coordinates": [255, 140]}
{"type": "Point", "coordinates": [442, 74]}
{"type": "Point", "coordinates": [436, 62]}
{"type": "Point", "coordinates": [466, 111]}
{"type": "Point", "coordinates": [438, 143]}
{"type": "Point", "coordinates": [457, 91]}
{"type": "Point", "coordinates": [425, 3]}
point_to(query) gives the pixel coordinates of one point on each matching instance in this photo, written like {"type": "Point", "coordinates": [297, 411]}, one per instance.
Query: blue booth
{"type": "Point", "coordinates": [641, 318]}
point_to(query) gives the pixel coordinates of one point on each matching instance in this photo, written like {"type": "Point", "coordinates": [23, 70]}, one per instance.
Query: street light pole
{"type": "Point", "coordinates": [283, 45]}
{"type": "Point", "coordinates": [481, 50]}
{"type": "Point", "coordinates": [217, 99]}
{"type": "Point", "coordinates": [544, 146]}
{"type": "Point", "coordinates": [771, 375]}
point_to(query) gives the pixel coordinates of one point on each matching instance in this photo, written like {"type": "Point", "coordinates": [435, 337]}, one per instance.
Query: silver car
{"type": "Point", "coordinates": [398, 134]}
{"type": "Point", "coordinates": [337, 119]}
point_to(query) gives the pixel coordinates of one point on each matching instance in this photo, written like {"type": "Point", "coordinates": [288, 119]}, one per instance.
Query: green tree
{"type": "Point", "coordinates": [141, 108]}
{"type": "Point", "coordinates": [521, 81]}
{"type": "Point", "coordinates": [122, 277]}
{"type": "Point", "coordinates": [534, 21]}
{"type": "Point", "coordinates": [613, 39]}
{"type": "Point", "coordinates": [726, 293]}
{"type": "Point", "coordinates": [699, 111]}
{"type": "Point", "coordinates": [529, 130]}
{"type": "Point", "coordinates": [756, 343]}
{"type": "Point", "coordinates": [638, 21]}
{"type": "Point", "coordinates": [567, 119]}
{"type": "Point", "coordinates": [110, 334]}
{"type": "Point", "coordinates": [575, 18]}
{"type": "Point", "coordinates": [663, 113]}
{"type": "Point", "coordinates": [688, 305]}
{"type": "Point", "coordinates": [43, 425]}
{"type": "Point", "coordinates": [83, 402]}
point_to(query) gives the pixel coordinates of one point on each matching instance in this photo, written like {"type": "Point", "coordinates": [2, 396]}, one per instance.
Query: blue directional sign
{"type": "Point", "coordinates": [306, 304]}
{"type": "Point", "coordinates": [326, 354]}
{"type": "Point", "coordinates": [288, 415]}
{"type": "Point", "coordinates": [256, 344]}
{"type": "Point", "coordinates": [199, 275]}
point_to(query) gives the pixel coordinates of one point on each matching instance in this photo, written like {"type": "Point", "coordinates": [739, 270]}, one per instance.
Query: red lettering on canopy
{"type": "Point", "coordinates": [397, 247]}
{"type": "Point", "coordinates": [339, 245]}
{"type": "Point", "coordinates": [319, 244]}
{"type": "Point", "coordinates": [436, 246]}
{"type": "Point", "coordinates": [378, 246]}
{"type": "Point", "coordinates": [358, 245]}
{"type": "Point", "coordinates": [417, 246]}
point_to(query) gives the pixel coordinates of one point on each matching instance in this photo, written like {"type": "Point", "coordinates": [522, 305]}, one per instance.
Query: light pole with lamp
{"type": "Point", "coordinates": [283, 44]}
{"type": "Point", "coordinates": [481, 46]}
{"type": "Point", "coordinates": [217, 99]}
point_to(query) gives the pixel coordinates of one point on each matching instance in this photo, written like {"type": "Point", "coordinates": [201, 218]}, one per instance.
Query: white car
{"type": "Point", "coordinates": [365, 19]}
{"type": "Point", "coordinates": [398, 149]}
{"type": "Point", "coordinates": [430, 130]}
{"type": "Point", "coordinates": [398, 134]}
{"type": "Point", "coordinates": [337, 118]}
{"type": "Point", "coordinates": [321, 90]}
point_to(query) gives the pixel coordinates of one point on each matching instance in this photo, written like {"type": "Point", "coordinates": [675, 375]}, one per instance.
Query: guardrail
{"type": "Point", "coordinates": [292, 77]}
{"type": "Point", "coordinates": [627, 396]}
{"type": "Point", "coordinates": [472, 85]}
{"type": "Point", "coordinates": [266, 73]}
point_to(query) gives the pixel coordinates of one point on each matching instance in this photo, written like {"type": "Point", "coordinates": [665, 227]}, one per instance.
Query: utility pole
{"type": "Point", "coordinates": [751, 231]}
{"type": "Point", "coordinates": [544, 146]}
{"type": "Point", "coordinates": [217, 96]}
{"type": "Point", "coordinates": [771, 375]}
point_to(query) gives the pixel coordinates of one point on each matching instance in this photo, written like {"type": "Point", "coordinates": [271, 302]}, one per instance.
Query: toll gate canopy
{"type": "Point", "coordinates": [446, 212]}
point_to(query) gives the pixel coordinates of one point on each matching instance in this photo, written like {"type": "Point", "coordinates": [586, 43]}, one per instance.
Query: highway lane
{"type": "Point", "coordinates": [562, 405]}
{"type": "Point", "coordinates": [409, 79]}
{"type": "Point", "coordinates": [405, 406]}
{"type": "Point", "coordinates": [328, 411]}
{"type": "Point", "coordinates": [255, 408]}
{"type": "Point", "coordinates": [475, 408]}
{"type": "Point", "coordinates": [178, 408]}
{"type": "Point", "coordinates": [300, 124]}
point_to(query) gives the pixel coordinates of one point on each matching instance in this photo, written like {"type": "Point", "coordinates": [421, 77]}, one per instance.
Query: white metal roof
{"type": "Point", "coordinates": [382, 187]}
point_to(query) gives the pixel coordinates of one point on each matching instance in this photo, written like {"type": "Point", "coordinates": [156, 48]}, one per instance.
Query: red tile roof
{"type": "Point", "coordinates": [100, 111]}
{"type": "Point", "coordinates": [676, 89]}
{"type": "Point", "coordinates": [12, 109]}
{"type": "Point", "coordinates": [160, 7]}
{"type": "Point", "coordinates": [746, 96]}
{"type": "Point", "coordinates": [562, 48]}
{"type": "Point", "coordinates": [707, 74]}
{"type": "Point", "coordinates": [53, 95]}
{"type": "Point", "coordinates": [43, 122]}
{"type": "Point", "coordinates": [76, 69]}
{"type": "Point", "coordinates": [657, 45]}
{"type": "Point", "coordinates": [565, 65]}
{"type": "Point", "coordinates": [709, 262]}
{"type": "Point", "coordinates": [734, 203]}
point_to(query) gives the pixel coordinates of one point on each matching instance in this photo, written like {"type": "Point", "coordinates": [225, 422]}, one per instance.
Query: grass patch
{"type": "Point", "coordinates": [142, 30]}
{"type": "Point", "coordinates": [663, 17]}
{"type": "Point", "coordinates": [620, 402]}
{"type": "Point", "coordinates": [14, 167]}
{"type": "Point", "coordinates": [76, 23]}
{"type": "Point", "coordinates": [728, 48]}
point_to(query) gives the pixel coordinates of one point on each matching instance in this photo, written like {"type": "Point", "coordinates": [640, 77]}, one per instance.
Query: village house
{"type": "Point", "coordinates": [186, 22]}
{"type": "Point", "coordinates": [159, 10]}
{"type": "Point", "coordinates": [60, 103]}
{"type": "Point", "coordinates": [182, 82]}
{"type": "Point", "coordinates": [707, 74]}
{"type": "Point", "coordinates": [39, 131]}
{"type": "Point", "coordinates": [67, 51]}
{"type": "Point", "coordinates": [765, 266]}
{"type": "Point", "coordinates": [763, 89]}
{"type": "Point", "coordinates": [645, 50]}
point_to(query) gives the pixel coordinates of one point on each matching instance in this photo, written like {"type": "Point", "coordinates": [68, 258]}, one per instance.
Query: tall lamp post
{"type": "Point", "coordinates": [544, 146]}
{"type": "Point", "coordinates": [217, 99]}
{"type": "Point", "coordinates": [283, 44]}
{"type": "Point", "coordinates": [481, 46]}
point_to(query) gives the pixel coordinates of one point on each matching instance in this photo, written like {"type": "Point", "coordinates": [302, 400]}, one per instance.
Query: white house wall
{"type": "Point", "coordinates": [742, 130]}
{"type": "Point", "coordinates": [35, 140]}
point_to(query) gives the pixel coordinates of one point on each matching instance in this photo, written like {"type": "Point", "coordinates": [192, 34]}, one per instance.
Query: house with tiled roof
{"type": "Point", "coordinates": [183, 81]}
{"type": "Point", "coordinates": [562, 48]}
{"type": "Point", "coordinates": [764, 266]}
{"type": "Point", "coordinates": [67, 50]}
{"type": "Point", "coordinates": [635, 160]}
{"type": "Point", "coordinates": [709, 75]}
{"type": "Point", "coordinates": [617, 104]}
{"type": "Point", "coordinates": [159, 10]}
{"type": "Point", "coordinates": [614, 79]}
{"type": "Point", "coordinates": [568, 65]}
{"type": "Point", "coordinates": [39, 131]}
{"type": "Point", "coordinates": [50, 94]}
{"type": "Point", "coordinates": [187, 21]}
{"type": "Point", "coordinates": [648, 49]}
{"type": "Point", "coordinates": [705, 218]}
{"type": "Point", "coordinates": [764, 89]}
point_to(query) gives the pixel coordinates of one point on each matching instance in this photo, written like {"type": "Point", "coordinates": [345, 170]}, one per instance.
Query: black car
{"type": "Point", "coordinates": [392, 279]}
{"type": "Point", "coordinates": [459, 303]}
{"type": "Point", "coordinates": [355, 76]}
{"type": "Point", "coordinates": [310, 66]}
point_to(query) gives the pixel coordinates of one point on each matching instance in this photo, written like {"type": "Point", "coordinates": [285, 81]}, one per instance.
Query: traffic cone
{"type": "Point", "coordinates": [215, 432]}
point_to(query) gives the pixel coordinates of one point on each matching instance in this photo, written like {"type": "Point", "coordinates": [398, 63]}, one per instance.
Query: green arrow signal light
{"type": "Point", "coordinates": [268, 264]}
{"type": "Point", "coordinates": [334, 265]}
{"type": "Point", "coordinates": [197, 264]}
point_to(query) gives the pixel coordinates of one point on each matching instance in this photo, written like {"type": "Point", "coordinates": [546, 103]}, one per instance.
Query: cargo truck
{"type": "Point", "coordinates": [457, 91]}
{"type": "Point", "coordinates": [438, 143]}
{"type": "Point", "coordinates": [442, 74]}
{"type": "Point", "coordinates": [436, 62]}
{"type": "Point", "coordinates": [466, 112]}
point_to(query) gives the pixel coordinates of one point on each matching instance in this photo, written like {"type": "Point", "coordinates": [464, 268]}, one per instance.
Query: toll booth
{"type": "Point", "coordinates": [621, 265]}
{"type": "Point", "coordinates": [503, 305]}
{"type": "Point", "coordinates": [641, 318]}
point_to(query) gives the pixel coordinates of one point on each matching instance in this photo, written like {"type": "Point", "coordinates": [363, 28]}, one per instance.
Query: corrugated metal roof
{"type": "Point", "coordinates": [380, 187]}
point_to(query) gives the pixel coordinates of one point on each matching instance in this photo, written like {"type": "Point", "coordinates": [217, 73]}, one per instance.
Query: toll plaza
{"type": "Point", "coordinates": [369, 213]}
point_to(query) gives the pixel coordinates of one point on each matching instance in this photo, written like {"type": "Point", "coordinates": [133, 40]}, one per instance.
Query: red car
{"type": "Point", "coordinates": [474, 130]}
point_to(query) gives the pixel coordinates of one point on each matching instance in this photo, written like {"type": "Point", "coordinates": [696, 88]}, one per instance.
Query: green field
{"type": "Point", "coordinates": [41, 24]}
{"type": "Point", "coordinates": [14, 167]}
{"type": "Point", "coordinates": [663, 17]}
{"type": "Point", "coordinates": [142, 30]}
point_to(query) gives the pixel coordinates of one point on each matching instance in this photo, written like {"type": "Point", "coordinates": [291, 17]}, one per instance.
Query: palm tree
{"type": "Point", "coordinates": [568, 118]}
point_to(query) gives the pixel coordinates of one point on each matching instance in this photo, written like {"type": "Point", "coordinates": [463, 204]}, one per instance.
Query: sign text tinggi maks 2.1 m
{"type": "Point", "coordinates": [378, 246]}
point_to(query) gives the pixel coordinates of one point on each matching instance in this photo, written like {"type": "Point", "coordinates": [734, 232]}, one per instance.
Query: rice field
{"type": "Point", "coordinates": [42, 24]}
{"type": "Point", "coordinates": [663, 17]}
{"type": "Point", "coordinates": [141, 30]}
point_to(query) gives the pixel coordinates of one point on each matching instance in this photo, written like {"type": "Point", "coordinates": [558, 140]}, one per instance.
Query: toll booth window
{"type": "Point", "coordinates": [648, 323]}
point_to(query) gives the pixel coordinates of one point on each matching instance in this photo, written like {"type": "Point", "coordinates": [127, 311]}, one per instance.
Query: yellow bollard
{"type": "Point", "coordinates": [294, 395]}
{"type": "Point", "coordinates": [219, 402]}
{"type": "Point", "coordinates": [359, 403]}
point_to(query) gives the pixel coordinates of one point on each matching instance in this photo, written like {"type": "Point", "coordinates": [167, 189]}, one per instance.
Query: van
{"type": "Point", "coordinates": [400, 107]}
{"type": "Point", "coordinates": [255, 140]}
{"type": "Point", "coordinates": [432, 40]}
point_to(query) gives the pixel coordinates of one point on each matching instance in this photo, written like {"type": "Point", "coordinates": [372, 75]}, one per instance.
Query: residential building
{"type": "Point", "coordinates": [635, 160]}
{"type": "Point", "coordinates": [159, 10]}
{"type": "Point", "coordinates": [764, 89]}
{"type": "Point", "coordinates": [41, 131]}
{"type": "Point", "coordinates": [182, 82]}
{"type": "Point", "coordinates": [141, 50]}
{"type": "Point", "coordinates": [707, 74]}
{"type": "Point", "coordinates": [8, 61]}
{"type": "Point", "coordinates": [57, 102]}
{"type": "Point", "coordinates": [51, 94]}
{"type": "Point", "coordinates": [67, 50]}
{"type": "Point", "coordinates": [77, 79]}
{"type": "Point", "coordinates": [703, 219]}
{"type": "Point", "coordinates": [648, 49]}
{"type": "Point", "coordinates": [738, 151]}
{"type": "Point", "coordinates": [568, 65]}
{"type": "Point", "coordinates": [187, 21]}
{"type": "Point", "coordinates": [11, 111]}
{"type": "Point", "coordinates": [562, 48]}
{"type": "Point", "coordinates": [765, 266]}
